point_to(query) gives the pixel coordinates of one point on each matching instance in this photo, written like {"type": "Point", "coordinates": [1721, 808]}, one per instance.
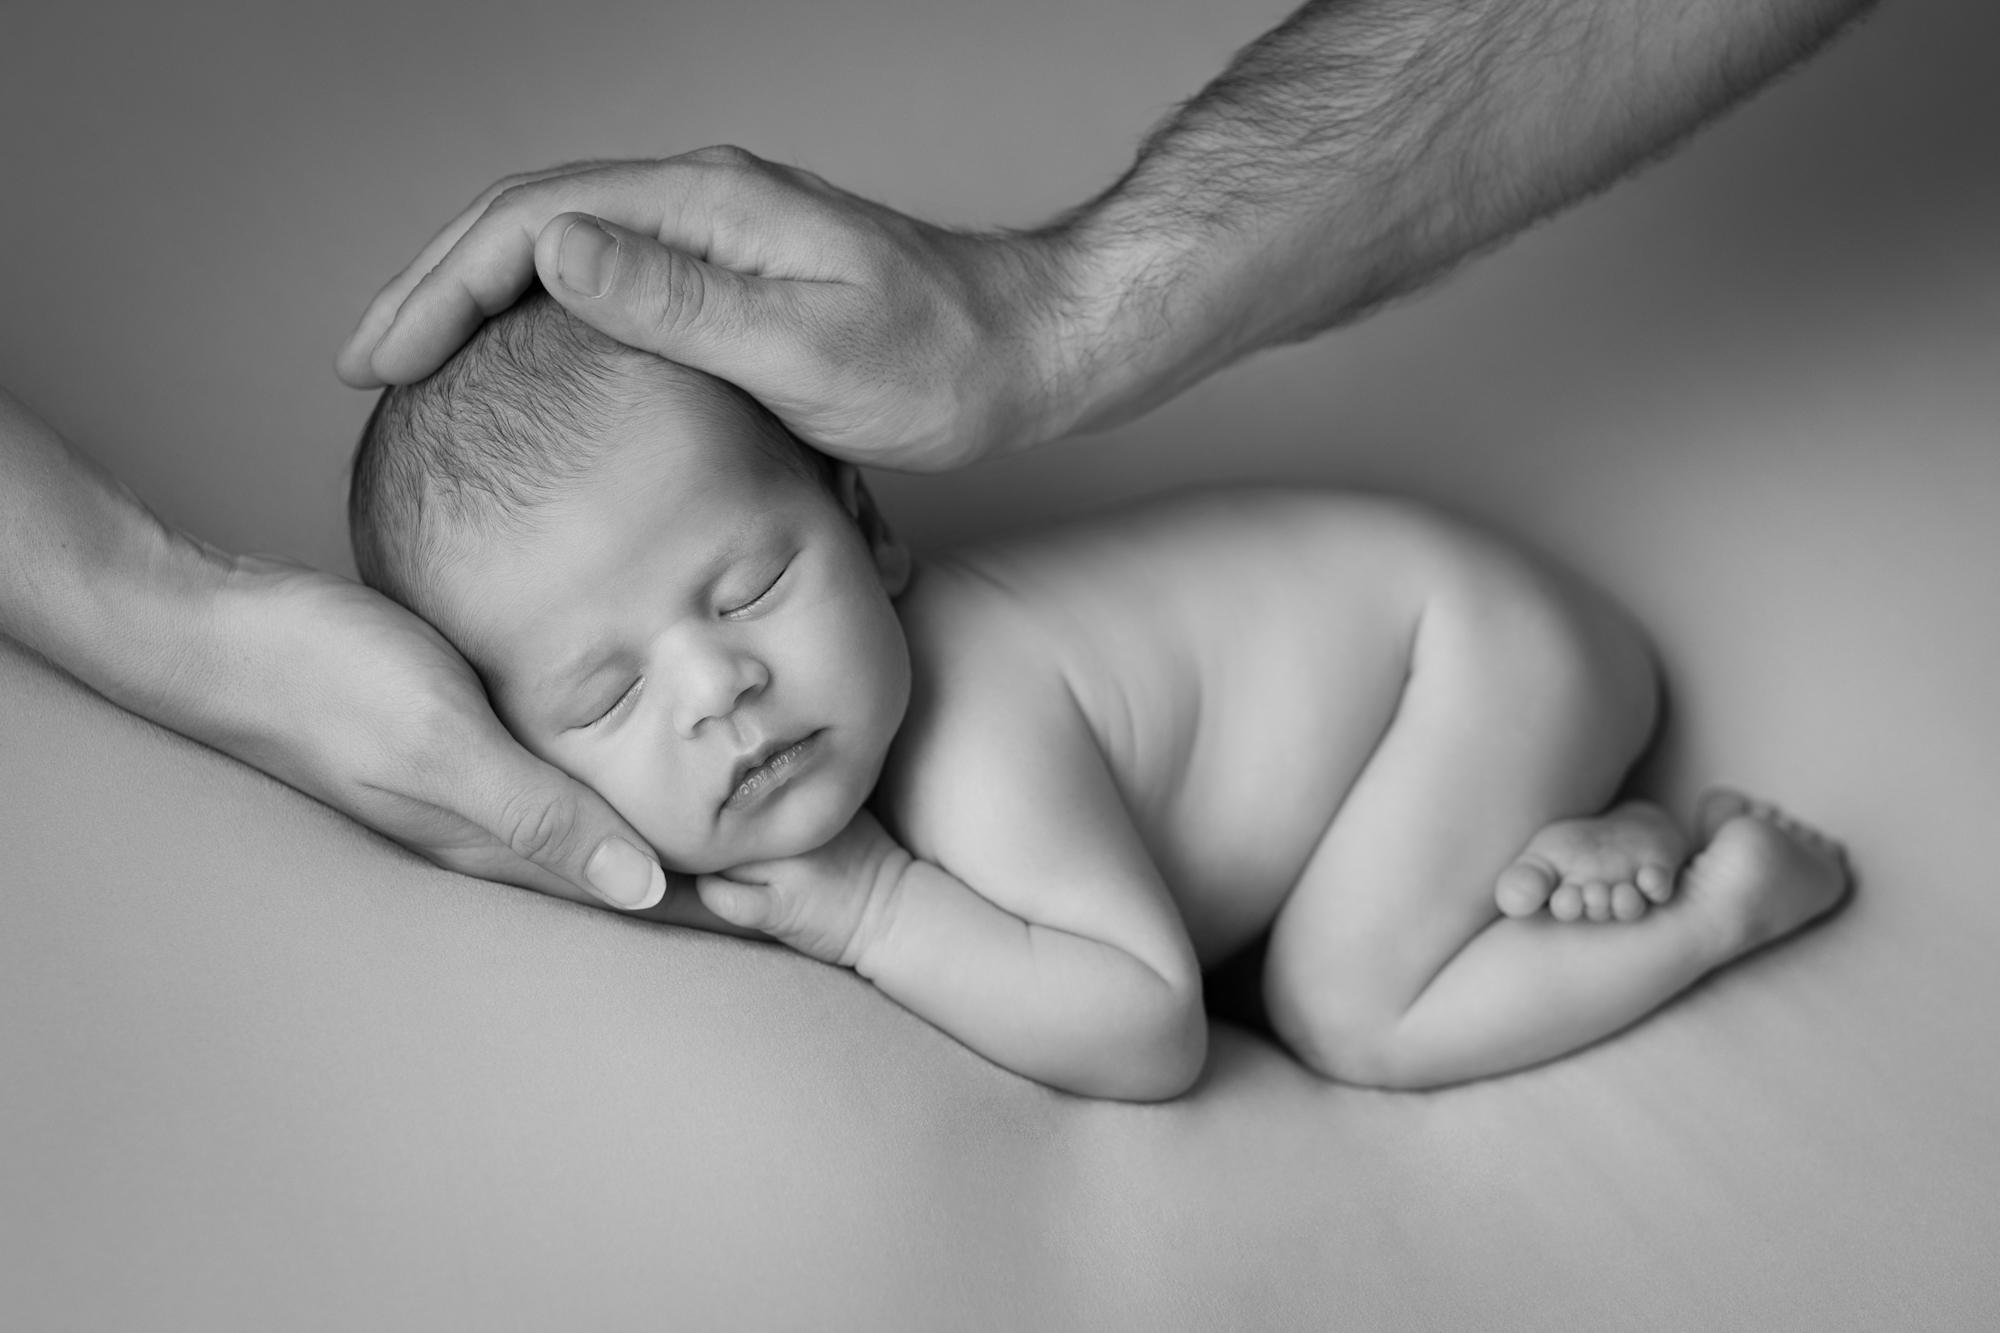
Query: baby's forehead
{"type": "Point", "coordinates": [665, 501]}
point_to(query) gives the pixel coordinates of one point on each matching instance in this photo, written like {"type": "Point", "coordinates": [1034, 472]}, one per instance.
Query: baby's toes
{"type": "Point", "coordinates": [1627, 902]}
{"type": "Point", "coordinates": [1656, 882]}
{"type": "Point", "coordinates": [1597, 900]}
{"type": "Point", "coordinates": [1566, 903]}
{"type": "Point", "coordinates": [1806, 833]}
{"type": "Point", "coordinates": [1524, 887]}
{"type": "Point", "coordinates": [1718, 806]}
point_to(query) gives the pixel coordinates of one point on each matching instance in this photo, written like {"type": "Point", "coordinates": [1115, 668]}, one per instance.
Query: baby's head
{"type": "Point", "coordinates": [666, 595]}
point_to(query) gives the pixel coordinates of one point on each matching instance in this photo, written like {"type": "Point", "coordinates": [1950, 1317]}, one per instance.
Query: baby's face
{"type": "Point", "coordinates": [699, 633]}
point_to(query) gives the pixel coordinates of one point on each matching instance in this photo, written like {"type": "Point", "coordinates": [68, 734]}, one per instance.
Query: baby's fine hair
{"type": "Point", "coordinates": [521, 410]}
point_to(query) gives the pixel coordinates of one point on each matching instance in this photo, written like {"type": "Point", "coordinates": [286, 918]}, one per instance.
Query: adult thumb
{"type": "Point", "coordinates": [547, 826]}
{"type": "Point", "coordinates": [645, 294]}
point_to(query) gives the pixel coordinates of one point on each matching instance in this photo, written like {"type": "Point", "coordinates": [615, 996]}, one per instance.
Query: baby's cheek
{"type": "Point", "coordinates": [664, 805]}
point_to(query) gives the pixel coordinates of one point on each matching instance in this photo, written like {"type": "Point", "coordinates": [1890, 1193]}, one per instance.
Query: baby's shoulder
{"type": "Point", "coordinates": [985, 649]}
{"type": "Point", "coordinates": [988, 684]}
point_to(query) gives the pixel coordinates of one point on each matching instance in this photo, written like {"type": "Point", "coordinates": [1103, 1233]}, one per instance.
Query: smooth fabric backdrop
{"type": "Point", "coordinates": [260, 1069]}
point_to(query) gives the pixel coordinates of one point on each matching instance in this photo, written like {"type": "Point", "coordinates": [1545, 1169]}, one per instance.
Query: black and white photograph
{"type": "Point", "coordinates": [1111, 665]}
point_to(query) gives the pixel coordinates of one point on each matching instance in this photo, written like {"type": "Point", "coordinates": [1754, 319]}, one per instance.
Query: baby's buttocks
{"type": "Point", "coordinates": [1238, 657]}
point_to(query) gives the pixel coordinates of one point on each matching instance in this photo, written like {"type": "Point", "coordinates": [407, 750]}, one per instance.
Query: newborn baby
{"type": "Point", "coordinates": [1030, 789]}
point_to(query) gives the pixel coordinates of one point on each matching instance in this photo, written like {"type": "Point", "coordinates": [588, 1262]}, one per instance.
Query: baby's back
{"type": "Point", "coordinates": [1235, 655]}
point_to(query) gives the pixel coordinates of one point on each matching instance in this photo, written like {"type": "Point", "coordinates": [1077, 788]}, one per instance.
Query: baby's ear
{"type": "Point", "coordinates": [892, 558]}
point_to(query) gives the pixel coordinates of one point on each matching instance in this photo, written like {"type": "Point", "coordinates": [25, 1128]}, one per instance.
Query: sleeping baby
{"type": "Point", "coordinates": [1030, 789]}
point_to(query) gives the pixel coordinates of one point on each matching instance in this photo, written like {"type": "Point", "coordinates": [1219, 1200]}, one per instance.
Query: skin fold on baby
{"type": "Point", "coordinates": [1032, 788]}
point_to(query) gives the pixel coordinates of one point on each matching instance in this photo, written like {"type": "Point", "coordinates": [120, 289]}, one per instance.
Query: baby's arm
{"type": "Point", "coordinates": [1055, 949]}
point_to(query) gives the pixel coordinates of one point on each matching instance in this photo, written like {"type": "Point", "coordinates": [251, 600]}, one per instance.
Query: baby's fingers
{"type": "Point", "coordinates": [817, 925]}
{"type": "Point", "coordinates": [745, 905]}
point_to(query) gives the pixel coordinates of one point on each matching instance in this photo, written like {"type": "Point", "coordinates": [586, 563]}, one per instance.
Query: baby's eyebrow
{"type": "Point", "coordinates": [592, 660]}
{"type": "Point", "coordinates": [595, 656]}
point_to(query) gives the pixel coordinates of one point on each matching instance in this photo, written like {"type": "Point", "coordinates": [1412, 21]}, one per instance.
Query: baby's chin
{"type": "Point", "coordinates": [789, 830]}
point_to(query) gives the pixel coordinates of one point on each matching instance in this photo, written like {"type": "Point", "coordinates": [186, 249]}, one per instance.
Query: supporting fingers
{"type": "Point", "coordinates": [444, 306]}
{"type": "Point", "coordinates": [546, 824]}
{"type": "Point", "coordinates": [647, 295]}
{"type": "Point", "coordinates": [355, 361]}
{"type": "Point", "coordinates": [483, 262]}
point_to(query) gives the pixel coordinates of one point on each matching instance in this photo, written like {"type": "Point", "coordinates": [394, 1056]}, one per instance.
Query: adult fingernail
{"type": "Point", "coordinates": [624, 876]}
{"type": "Point", "coordinates": [587, 258]}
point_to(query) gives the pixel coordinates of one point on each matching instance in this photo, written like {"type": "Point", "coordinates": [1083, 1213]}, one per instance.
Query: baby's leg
{"type": "Point", "coordinates": [1390, 964]}
{"type": "Point", "coordinates": [1523, 991]}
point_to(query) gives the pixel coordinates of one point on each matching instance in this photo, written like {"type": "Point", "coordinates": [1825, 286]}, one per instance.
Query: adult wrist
{"type": "Point", "coordinates": [145, 626]}
{"type": "Point", "coordinates": [113, 596]}
{"type": "Point", "coordinates": [1146, 305]}
{"type": "Point", "coordinates": [1085, 357]}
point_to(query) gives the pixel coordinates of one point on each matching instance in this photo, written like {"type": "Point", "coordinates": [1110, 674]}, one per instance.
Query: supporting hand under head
{"type": "Point", "coordinates": [322, 683]}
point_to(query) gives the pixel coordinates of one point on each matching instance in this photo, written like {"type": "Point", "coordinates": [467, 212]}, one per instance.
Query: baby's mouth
{"type": "Point", "coordinates": [758, 775]}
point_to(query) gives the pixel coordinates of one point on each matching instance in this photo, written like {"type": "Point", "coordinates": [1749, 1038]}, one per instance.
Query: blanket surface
{"type": "Point", "coordinates": [265, 1070]}
{"type": "Point", "coordinates": [261, 1069]}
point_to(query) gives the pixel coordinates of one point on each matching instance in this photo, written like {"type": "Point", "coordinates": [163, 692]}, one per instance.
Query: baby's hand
{"type": "Point", "coordinates": [827, 903]}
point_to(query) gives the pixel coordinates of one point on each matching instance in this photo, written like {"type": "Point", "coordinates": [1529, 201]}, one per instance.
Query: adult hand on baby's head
{"type": "Point", "coordinates": [341, 693]}
{"type": "Point", "coordinates": [878, 338]}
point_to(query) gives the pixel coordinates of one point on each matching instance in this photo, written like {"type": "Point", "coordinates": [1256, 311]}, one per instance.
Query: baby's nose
{"type": "Point", "coordinates": [713, 684]}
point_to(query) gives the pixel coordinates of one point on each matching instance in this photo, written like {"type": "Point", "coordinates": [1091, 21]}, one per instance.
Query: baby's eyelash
{"type": "Point", "coordinates": [617, 704]}
{"type": "Point", "coordinates": [738, 610]}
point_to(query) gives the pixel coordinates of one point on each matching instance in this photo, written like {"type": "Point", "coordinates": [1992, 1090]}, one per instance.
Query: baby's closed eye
{"type": "Point", "coordinates": [618, 707]}
{"type": "Point", "coordinates": [765, 585]}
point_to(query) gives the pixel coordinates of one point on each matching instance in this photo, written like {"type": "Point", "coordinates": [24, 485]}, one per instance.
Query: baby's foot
{"type": "Point", "coordinates": [1609, 867]}
{"type": "Point", "coordinates": [1763, 873]}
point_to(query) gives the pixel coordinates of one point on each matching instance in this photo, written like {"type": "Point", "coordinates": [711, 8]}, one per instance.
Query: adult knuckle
{"type": "Point", "coordinates": [627, 173]}
{"type": "Point", "coordinates": [811, 180]}
{"type": "Point", "coordinates": [725, 155]}
{"type": "Point", "coordinates": [518, 194]}
{"type": "Point", "coordinates": [485, 198]}
{"type": "Point", "coordinates": [429, 731]}
{"type": "Point", "coordinates": [676, 298]}
{"type": "Point", "coordinates": [787, 326]}
{"type": "Point", "coordinates": [537, 826]}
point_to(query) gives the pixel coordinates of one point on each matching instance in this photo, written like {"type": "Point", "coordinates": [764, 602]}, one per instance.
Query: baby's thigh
{"type": "Point", "coordinates": [1523, 697]}
{"type": "Point", "coordinates": [1520, 662]}
{"type": "Point", "coordinates": [1525, 701]}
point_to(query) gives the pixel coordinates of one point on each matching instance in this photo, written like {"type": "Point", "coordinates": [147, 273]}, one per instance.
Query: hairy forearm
{"type": "Point", "coordinates": [1365, 146]}
{"type": "Point", "coordinates": [1076, 1013]}
{"type": "Point", "coordinates": [94, 581]}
